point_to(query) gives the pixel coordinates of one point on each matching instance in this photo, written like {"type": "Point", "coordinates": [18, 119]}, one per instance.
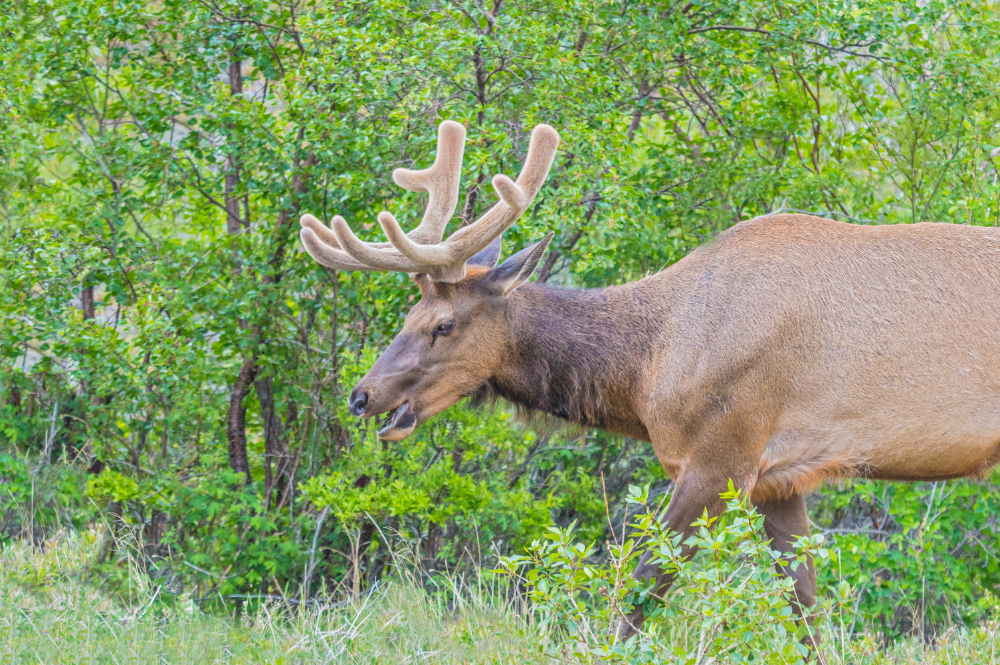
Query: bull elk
{"type": "Point", "coordinates": [790, 350]}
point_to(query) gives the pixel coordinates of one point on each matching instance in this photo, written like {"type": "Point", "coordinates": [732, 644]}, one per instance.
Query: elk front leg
{"type": "Point", "coordinates": [784, 521]}
{"type": "Point", "coordinates": [693, 494]}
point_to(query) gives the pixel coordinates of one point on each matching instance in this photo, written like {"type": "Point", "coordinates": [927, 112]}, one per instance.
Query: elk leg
{"type": "Point", "coordinates": [693, 494]}
{"type": "Point", "coordinates": [784, 521]}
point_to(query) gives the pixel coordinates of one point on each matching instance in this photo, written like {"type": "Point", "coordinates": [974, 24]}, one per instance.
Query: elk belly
{"type": "Point", "coordinates": [947, 440]}
{"type": "Point", "coordinates": [795, 462]}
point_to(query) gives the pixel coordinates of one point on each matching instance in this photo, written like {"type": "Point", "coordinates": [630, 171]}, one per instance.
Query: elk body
{"type": "Point", "coordinates": [790, 350]}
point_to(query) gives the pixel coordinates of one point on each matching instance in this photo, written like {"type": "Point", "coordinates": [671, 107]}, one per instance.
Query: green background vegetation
{"type": "Point", "coordinates": [173, 366]}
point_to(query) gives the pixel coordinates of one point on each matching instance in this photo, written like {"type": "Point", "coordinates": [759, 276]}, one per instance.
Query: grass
{"type": "Point", "coordinates": [50, 614]}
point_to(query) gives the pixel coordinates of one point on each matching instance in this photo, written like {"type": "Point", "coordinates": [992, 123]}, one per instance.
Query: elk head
{"type": "Point", "coordinates": [455, 336]}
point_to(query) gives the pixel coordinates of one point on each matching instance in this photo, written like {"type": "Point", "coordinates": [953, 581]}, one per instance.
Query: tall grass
{"type": "Point", "coordinates": [50, 612]}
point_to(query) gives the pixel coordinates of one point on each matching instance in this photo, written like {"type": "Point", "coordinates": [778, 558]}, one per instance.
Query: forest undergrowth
{"type": "Point", "coordinates": [55, 607]}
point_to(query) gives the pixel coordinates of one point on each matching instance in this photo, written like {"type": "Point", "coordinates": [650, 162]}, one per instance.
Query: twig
{"type": "Point", "coordinates": [819, 213]}
{"type": "Point", "coordinates": [223, 576]}
{"type": "Point", "coordinates": [312, 552]}
{"type": "Point", "coordinates": [608, 513]}
{"type": "Point", "coordinates": [773, 33]}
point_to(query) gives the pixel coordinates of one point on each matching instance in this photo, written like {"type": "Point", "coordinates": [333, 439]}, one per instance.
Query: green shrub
{"type": "Point", "coordinates": [36, 501]}
{"type": "Point", "coordinates": [923, 556]}
{"type": "Point", "coordinates": [729, 603]}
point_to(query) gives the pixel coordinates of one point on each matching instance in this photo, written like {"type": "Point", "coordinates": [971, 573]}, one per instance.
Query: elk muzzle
{"type": "Point", "coordinates": [377, 394]}
{"type": "Point", "coordinates": [358, 401]}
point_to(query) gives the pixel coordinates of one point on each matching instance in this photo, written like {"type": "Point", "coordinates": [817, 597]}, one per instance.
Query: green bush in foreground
{"type": "Point", "coordinates": [729, 603]}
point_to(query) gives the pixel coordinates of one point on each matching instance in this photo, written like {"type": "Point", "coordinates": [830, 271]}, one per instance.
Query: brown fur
{"type": "Point", "coordinates": [792, 350]}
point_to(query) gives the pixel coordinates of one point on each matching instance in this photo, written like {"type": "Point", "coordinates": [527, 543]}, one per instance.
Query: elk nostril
{"type": "Point", "coordinates": [358, 402]}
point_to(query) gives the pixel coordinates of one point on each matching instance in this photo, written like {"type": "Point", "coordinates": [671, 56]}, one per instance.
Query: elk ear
{"type": "Point", "coordinates": [488, 256]}
{"type": "Point", "coordinates": [517, 269]}
{"type": "Point", "coordinates": [426, 284]}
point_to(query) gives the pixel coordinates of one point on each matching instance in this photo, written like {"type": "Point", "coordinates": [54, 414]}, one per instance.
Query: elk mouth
{"type": "Point", "coordinates": [398, 423]}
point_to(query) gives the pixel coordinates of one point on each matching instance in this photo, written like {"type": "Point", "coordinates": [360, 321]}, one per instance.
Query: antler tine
{"type": "Point", "coordinates": [515, 197]}
{"type": "Point", "coordinates": [421, 250]}
{"type": "Point", "coordinates": [431, 255]}
{"type": "Point", "coordinates": [418, 251]}
{"type": "Point", "coordinates": [322, 245]}
{"type": "Point", "coordinates": [441, 180]}
{"type": "Point", "coordinates": [373, 257]}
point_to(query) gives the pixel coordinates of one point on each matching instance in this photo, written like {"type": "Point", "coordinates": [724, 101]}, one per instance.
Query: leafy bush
{"type": "Point", "coordinates": [729, 603]}
{"type": "Point", "coordinates": [35, 501]}
{"type": "Point", "coordinates": [922, 556]}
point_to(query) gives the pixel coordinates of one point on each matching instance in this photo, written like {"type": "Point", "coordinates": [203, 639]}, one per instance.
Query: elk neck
{"type": "Point", "coordinates": [577, 354]}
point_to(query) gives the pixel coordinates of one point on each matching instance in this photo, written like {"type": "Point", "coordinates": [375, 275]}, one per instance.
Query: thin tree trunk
{"type": "Point", "coordinates": [236, 419]}
{"type": "Point", "coordinates": [236, 416]}
{"type": "Point", "coordinates": [233, 221]}
{"type": "Point", "coordinates": [273, 448]}
{"type": "Point", "coordinates": [89, 309]}
{"type": "Point", "coordinates": [644, 90]}
{"type": "Point", "coordinates": [87, 300]}
{"type": "Point", "coordinates": [312, 555]}
{"type": "Point", "coordinates": [112, 530]}
{"type": "Point", "coordinates": [335, 367]}
{"type": "Point", "coordinates": [479, 64]}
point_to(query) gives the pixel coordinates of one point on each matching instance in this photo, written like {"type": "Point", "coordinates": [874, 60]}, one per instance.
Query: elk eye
{"type": "Point", "coordinates": [444, 328]}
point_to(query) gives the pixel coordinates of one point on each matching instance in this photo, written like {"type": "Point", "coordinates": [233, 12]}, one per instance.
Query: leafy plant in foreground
{"type": "Point", "coordinates": [729, 602]}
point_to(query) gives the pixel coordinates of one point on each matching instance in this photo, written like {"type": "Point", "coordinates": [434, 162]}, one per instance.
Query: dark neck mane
{"type": "Point", "coordinates": [576, 355]}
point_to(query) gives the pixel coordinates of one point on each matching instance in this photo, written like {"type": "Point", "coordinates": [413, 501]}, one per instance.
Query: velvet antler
{"type": "Point", "coordinates": [422, 249]}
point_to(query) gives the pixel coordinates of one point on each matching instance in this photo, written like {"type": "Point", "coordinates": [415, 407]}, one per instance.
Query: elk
{"type": "Point", "coordinates": [790, 350]}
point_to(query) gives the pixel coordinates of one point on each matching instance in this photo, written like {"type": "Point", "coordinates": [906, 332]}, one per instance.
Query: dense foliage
{"type": "Point", "coordinates": [173, 365]}
{"type": "Point", "coordinates": [730, 603]}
